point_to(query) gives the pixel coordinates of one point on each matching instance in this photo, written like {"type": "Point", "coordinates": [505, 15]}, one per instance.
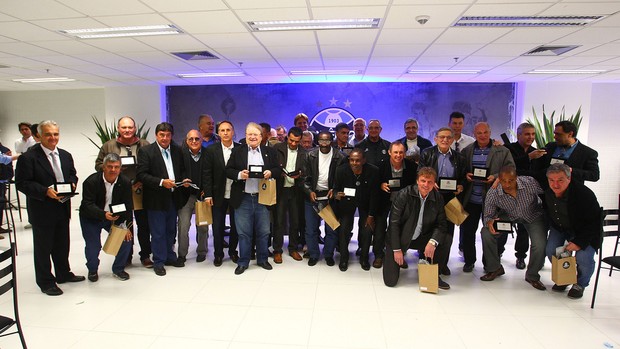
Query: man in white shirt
{"type": "Point", "coordinates": [461, 140]}
{"type": "Point", "coordinates": [26, 140]}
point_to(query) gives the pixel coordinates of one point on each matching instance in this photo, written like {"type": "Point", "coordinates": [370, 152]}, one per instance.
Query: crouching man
{"type": "Point", "coordinates": [417, 221]}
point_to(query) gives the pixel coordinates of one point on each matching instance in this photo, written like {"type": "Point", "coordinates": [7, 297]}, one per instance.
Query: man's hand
{"type": "Point", "coordinates": [491, 228]}
{"type": "Point", "coordinates": [385, 187]}
{"type": "Point", "coordinates": [370, 222]}
{"type": "Point", "coordinates": [128, 236]}
{"type": "Point", "coordinates": [168, 184]}
{"type": "Point", "coordinates": [244, 174]}
{"type": "Point", "coordinates": [312, 196]}
{"type": "Point", "coordinates": [398, 257]}
{"type": "Point", "coordinates": [469, 177]}
{"type": "Point", "coordinates": [330, 193]}
{"type": "Point", "coordinates": [52, 194]}
{"type": "Point", "coordinates": [495, 184]}
{"type": "Point", "coordinates": [572, 247]}
{"type": "Point", "coordinates": [459, 189]}
{"type": "Point", "coordinates": [490, 179]}
{"type": "Point", "coordinates": [429, 250]}
{"type": "Point", "coordinates": [339, 195]}
{"type": "Point", "coordinates": [209, 201]}
{"type": "Point", "coordinates": [186, 182]}
{"type": "Point", "coordinates": [266, 174]}
{"type": "Point", "coordinates": [136, 185]}
{"type": "Point", "coordinates": [110, 216]}
{"type": "Point", "coordinates": [536, 154]}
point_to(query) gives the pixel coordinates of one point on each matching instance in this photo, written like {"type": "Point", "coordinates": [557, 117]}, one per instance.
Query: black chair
{"type": "Point", "coordinates": [8, 281]}
{"type": "Point", "coordinates": [609, 229]}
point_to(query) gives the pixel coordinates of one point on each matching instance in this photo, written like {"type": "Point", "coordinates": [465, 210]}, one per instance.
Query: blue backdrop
{"type": "Point", "coordinates": [326, 104]}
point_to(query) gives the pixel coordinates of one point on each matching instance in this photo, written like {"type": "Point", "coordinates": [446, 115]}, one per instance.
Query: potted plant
{"type": "Point", "coordinates": [544, 130]}
{"type": "Point", "coordinates": [105, 132]}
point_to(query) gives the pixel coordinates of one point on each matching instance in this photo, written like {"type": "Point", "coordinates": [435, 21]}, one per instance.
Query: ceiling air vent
{"type": "Point", "coordinates": [195, 55]}
{"type": "Point", "coordinates": [548, 50]}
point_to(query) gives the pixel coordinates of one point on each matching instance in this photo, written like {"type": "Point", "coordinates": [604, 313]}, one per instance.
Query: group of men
{"type": "Point", "coordinates": [397, 189]}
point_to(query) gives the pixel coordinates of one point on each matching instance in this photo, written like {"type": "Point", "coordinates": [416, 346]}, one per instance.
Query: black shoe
{"type": "Point", "coordinates": [217, 261]}
{"type": "Point", "coordinates": [72, 278]}
{"type": "Point", "coordinates": [4, 230]}
{"type": "Point", "coordinates": [240, 269]}
{"type": "Point", "coordinates": [444, 270]}
{"type": "Point", "coordinates": [160, 271]}
{"type": "Point", "coordinates": [575, 292]}
{"type": "Point", "coordinates": [234, 258]}
{"type": "Point", "coordinates": [343, 266]}
{"type": "Point", "coordinates": [265, 265]}
{"type": "Point", "coordinates": [179, 263]}
{"type": "Point", "coordinates": [520, 263]}
{"type": "Point", "coordinates": [404, 265]}
{"type": "Point", "coordinates": [365, 264]}
{"type": "Point", "coordinates": [201, 258]}
{"type": "Point", "coordinates": [122, 275]}
{"type": "Point", "coordinates": [93, 276]}
{"type": "Point", "coordinates": [443, 285]}
{"type": "Point", "coordinates": [52, 291]}
{"type": "Point", "coordinates": [330, 261]}
{"type": "Point", "coordinates": [558, 288]}
{"type": "Point", "coordinates": [468, 268]}
{"type": "Point", "coordinates": [313, 261]}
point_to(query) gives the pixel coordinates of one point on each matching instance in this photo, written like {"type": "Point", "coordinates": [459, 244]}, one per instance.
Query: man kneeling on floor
{"type": "Point", "coordinates": [103, 191]}
{"type": "Point", "coordinates": [407, 231]}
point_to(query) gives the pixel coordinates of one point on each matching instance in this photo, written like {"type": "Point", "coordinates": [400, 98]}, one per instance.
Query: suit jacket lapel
{"type": "Point", "coordinates": [44, 162]}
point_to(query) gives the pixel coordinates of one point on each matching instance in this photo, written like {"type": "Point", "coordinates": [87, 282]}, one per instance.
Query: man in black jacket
{"type": "Point", "coordinates": [574, 215]}
{"type": "Point", "coordinates": [356, 186]}
{"type": "Point", "coordinates": [417, 221]}
{"type": "Point", "coordinates": [375, 148]}
{"type": "Point", "coordinates": [106, 199]}
{"type": "Point", "coordinates": [414, 143]}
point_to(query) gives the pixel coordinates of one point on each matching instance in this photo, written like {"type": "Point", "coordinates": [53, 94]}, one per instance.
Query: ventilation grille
{"type": "Point", "coordinates": [196, 55]}
{"type": "Point", "coordinates": [547, 50]}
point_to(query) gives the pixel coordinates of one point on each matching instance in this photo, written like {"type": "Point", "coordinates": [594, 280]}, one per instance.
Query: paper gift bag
{"type": "Point", "coordinates": [267, 192]}
{"type": "Point", "coordinates": [564, 270]}
{"type": "Point", "coordinates": [137, 199]}
{"type": "Point", "coordinates": [455, 212]}
{"type": "Point", "coordinates": [428, 277]}
{"type": "Point", "coordinates": [328, 215]}
{"type": "Point", "coordinates": [204, 213]}
{"type": "Point", "coordinates": [114, 240]}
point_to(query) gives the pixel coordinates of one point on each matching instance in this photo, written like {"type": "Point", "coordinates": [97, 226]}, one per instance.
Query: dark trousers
{"type": "Point", "coordinates": [364, 234]}
{"type": "Point", "coordinates": [219, 223]}
{"type": "Point", "coordinates": [51, 239]}
{"type": "Point", "coordinates": [163, 224]}
{"type": "Point", "coordinates": [522, 243]}
{"type": "Point", "coordinates": [391, 270]}
{"type": "Point", "coordinates": [378, 237]}
{"type": "Point", "coordinates": [287, 208]}
{"type": "Point", "coordinates": [143, 233]}
{"type": "Point", "coordinates": [91, 231]}
{"type": "Point", "coordinates": [468, 232]}
{"type": "Point", "coordinates": [443, 257]}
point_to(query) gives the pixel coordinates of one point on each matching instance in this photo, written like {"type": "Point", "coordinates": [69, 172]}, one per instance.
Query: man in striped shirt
{"type": "Point", "coordinates": [516, 199]}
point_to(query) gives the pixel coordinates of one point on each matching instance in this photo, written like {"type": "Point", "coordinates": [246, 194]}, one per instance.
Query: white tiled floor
{"type": "Point", "coordinates": [296, 306]}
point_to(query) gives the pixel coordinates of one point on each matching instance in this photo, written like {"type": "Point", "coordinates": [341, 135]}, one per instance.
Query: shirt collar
{"type": "Point", "coordinates": [106, 182]}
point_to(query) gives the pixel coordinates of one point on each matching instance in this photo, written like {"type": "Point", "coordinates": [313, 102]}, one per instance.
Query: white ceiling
{"type": "Point", "coordinates": [30, 43]}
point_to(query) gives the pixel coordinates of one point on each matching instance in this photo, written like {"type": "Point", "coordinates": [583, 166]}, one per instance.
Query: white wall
{"type": "Point", "coordinates": [141, 103]}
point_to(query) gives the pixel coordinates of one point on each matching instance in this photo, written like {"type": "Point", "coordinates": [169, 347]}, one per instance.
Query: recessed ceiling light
{"type": "Point", "coordinates": [325, 72]}
{"type": "Point", "coordinates": [211, 75]}
{"type": "Point", "coordinates": [445, 71]}
{"type": "Point", "coordinates": [526, 21]}
{"type": "Point", "coordinates": [116, 32]}
{"type": "Point", "coordinates": [566, 71]}
{"type": "Point", "coordinates": [315, 24]}
{"type": "Point", "coordinates": [43, 80]}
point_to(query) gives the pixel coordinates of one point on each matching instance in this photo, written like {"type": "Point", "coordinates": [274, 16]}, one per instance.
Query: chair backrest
{"type": "Point", "coordinates": [610, 222]}
{"type": "Point", "coordinates": [7, 273]}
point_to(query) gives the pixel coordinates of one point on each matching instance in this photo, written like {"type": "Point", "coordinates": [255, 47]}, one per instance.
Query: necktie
{"type": "Point", "coordinates": [165, 151]}
{"type": "Point", "coordinates": [456, 145]}
{"type": "Point", "coordinates": [56, 168]}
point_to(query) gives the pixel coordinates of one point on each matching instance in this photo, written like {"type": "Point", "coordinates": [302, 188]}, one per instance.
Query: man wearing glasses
{"type": "Point", "coordinates": [194, 161]}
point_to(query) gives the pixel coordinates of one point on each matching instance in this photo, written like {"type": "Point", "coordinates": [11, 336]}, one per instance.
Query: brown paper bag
{"type": "Point", "coordinates": [204, 213]}
{"type": "Point", "coordinates": [328, 215]}
{"type": "Point", "coordinates": [455, 212]}
{"type": "Point", "coordinates": [114, 240]}
{"type": "Point", "coordinates": [267, 192]}
{"type": "Point", "coordinates": [428, 277]}
{"type": "Point", "coordinates": [564, 270]}
{"type": "Point", "coordinates": [137, 199]}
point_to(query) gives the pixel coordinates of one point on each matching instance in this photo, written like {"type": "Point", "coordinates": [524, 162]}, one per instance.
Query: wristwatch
{"type": "Point", "coordinates": [433, 242]}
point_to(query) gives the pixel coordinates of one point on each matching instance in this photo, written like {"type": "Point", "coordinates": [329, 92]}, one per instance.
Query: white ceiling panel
{"type": "Point", "coordinates": [185, 5]}
{"type": "Point", "coordinates": [208, 22]}
{"type": "Point", "coordinates": [24, 31]}
{"type": "Point", "coordinates": [398, 50]}
{"type": "Point", "coordinates": [603, 50]}
{"type": "Point", "coordinates": [37, 9]}
{"type": "Point", "coordinates": [133, 20]}
{"type": "Point", "coordinates": [347, 37]}
{"type": "Point", "coordinates": [538, 36]}
{"type": "Point", "coordinates": [505, 50]}
{"type": "Point", "coordinates": [528, 9]}
{"type": "Point", "coordinates": [102, 58]}
{"type": "Point", "coordinates": [460, 50]}
{"type": "Point", "coordinates": [68, 47]}
{"type": "Point", "coordinates": [265, 71]}
{"type": "Point", "coordinates": [119, 45]}
{"type": "Point", "coordinates": [533, 61]}
{"type": "Point", "coordinates": [345, 50]}
{"type": "Point", "coordinates": [441, 16]}
{"type": "Point", "coordinates": [285, 38]}
{"type": "Point", "coordinates": [301, 63]}
{"type": "Point", "coordinates": [471, 35]}
{"type": "Point", "coordinates": [273, 14]}
{"type": "Point", "coordinates": [387, 62]}
{"type": "Point", "coordinates": [24, 49]}
{"type": "Point", "coordinates": [253, 4]}
{"type": "Point", "coordinates": [217, 41]}
{"type": "Point", "coordinates": [294, 51]}
{"type": "Point", "coordinates": [239, 54]}
{"type": "Point", "coordinates": [590, 36]}
{"type": "Point", "coordinates": [69, 23]}
{"type": "Point", "coordinates": [349, 12]}
{"type": "Point", "coordinates": [339, 3]}
{"type": "Point", "coordinates": [409, 36]}
{"type": "Point", "coordinates": [169, 43]}
{"type": "Point", "coordinates": [108, 7]}
{"type": "Point", "coordinates": [583, 8]}
{"type": "Point", "coordinates": [212, 64]}
{"type": "Point", "coordinates": [353, 63]}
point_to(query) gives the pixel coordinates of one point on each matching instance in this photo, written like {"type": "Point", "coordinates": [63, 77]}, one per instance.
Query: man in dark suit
{"type": "Point", "coordinates": [217, 191]}
{"type": "Point", "coordinates": [289, 190]}
{"type": "Point", "coordinates": [106, 199]}
{"type": "Point", "coordinates": [414, 143]}
{"type": "Point", "coordinates": [417, 221]}
{"type": "Point", "coordinates": [160, 167]}
{"type": "Point", "coordinates": [250, 216]}
{"type": "Point", "coordinates": [38, 171]}
{"type": "Point", "coordinates": [567, 149]}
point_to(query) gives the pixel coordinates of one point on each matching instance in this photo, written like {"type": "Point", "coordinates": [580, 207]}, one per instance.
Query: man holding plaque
{"type": "Point", "coordinates": [106, 200]}
{"type": "Point", "coordinates": [246, 166]}
{"type": "Point", "coordinates": [483, 161]}
{"type": "Point", "coordinates": [127, 145]}
{"type": "Point", "coordinates": [47, 176]}
{"type": "Point", "coordinates": [394, 175]}
{"type": "Point", "coordinates": [414, 143]}
{"type": "Point", "coordinates": [319, 172]}
{"type": "Point", "coordinates": [417, 221]}
{"type": "Point", "coordinates": [450, 167]}
{"type": "Point", "coordinates": [514, 200]}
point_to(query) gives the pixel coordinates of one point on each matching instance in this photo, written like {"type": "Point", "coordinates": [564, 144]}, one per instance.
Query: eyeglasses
{"type": "Point", "coordinates": [193, 139]}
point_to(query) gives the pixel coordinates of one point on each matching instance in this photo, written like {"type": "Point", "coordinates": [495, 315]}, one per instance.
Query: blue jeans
{"type": "Point", "coordinates": [252, 217]}
{"type": "Point", "coordinates": [163, 224]}
{"type": "Point", "coordinates": [584, 257]}
{"type": "Point", "coordinates": [91, 231]}
{"type": "Point", "coordinates": [313, 222]}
